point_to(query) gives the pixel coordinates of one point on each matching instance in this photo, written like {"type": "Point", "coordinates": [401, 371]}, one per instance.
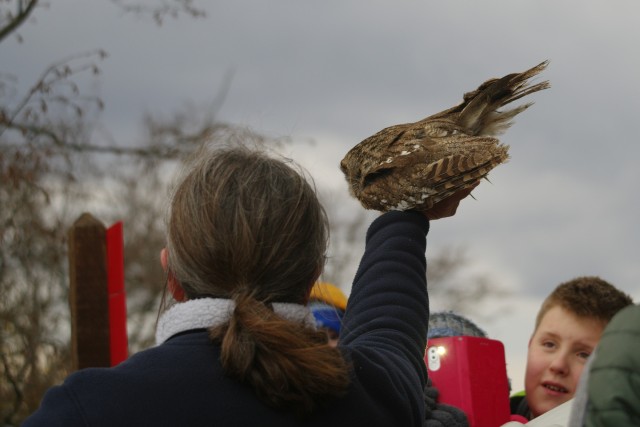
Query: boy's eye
{"type": "Point", "coordinates": [548, 344]}
{"type": "Point", "coordinates": [584, 355]}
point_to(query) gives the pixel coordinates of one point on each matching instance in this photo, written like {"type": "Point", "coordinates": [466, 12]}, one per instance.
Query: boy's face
{"type": "Point", "coordinates": [558, 351]}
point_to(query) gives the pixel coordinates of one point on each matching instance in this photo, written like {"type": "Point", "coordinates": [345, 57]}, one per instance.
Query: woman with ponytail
{"type": "Point", "coordinates": [246, 241]}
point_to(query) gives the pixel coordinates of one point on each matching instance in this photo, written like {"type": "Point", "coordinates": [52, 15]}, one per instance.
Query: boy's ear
{"type": "Point", "coordinates": [172, 283]}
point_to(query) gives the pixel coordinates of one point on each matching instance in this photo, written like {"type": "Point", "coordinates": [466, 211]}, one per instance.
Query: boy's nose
{"type": "Point", "coordinates": [560, 364]}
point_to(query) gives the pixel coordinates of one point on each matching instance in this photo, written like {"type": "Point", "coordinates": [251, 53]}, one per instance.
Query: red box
{"type": "Point", "coordinates": [470, 373]}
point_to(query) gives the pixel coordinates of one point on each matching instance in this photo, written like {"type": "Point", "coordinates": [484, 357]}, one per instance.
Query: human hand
{"type": "Point", "coordinates": [448, 207]}
{"type": "Point", "coordinates": [439, 414]}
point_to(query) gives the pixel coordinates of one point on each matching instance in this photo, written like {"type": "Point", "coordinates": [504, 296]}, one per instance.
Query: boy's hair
{"type": "Point", "coordinates": [586, 297]}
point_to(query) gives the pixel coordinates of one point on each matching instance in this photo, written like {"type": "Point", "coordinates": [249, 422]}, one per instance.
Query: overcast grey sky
{"type": "Point", "coordinates": [335, 72]}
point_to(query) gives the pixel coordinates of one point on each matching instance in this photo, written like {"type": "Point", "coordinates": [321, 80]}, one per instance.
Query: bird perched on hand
{"type": "Point", "coordinates": [415, 165]}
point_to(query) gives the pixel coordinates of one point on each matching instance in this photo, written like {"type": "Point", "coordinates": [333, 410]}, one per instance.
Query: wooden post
{"type": "Point", "coordinates": [88, 296]}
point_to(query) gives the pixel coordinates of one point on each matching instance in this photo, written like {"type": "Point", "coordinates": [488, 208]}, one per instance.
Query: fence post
{"type": "Point", "coordinates": [117, 298]}
{"type": "Point", "coordinates": [88, 296]}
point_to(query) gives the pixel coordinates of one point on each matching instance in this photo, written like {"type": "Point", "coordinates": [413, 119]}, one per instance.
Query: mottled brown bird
{"type": "Point", "coordinates": [415, 165]}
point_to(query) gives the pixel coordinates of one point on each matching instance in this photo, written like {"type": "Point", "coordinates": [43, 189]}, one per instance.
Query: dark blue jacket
{"type": "Point", "coordinates": [181, 382]}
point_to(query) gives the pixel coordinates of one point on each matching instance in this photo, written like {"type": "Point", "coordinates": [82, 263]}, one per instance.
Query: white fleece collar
{"type": "Point", "coordinates": [204, 313]}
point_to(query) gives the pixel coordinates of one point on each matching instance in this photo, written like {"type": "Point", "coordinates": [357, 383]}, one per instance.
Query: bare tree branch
{"type": "Point", "coordinates": [15, 385]}
{"type": "Point", "coordinates": [159, 10]}
{"type": "Point", "coordinates": [25, 7]}
{"type": "Point", "coordinates": [50, 88]}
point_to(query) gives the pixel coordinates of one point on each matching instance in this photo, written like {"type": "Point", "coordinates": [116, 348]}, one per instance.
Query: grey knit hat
{"type": "Point", "coordinates": [449, 324]}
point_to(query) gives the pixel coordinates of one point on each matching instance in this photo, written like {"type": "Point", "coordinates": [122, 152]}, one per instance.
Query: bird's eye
{"type": "Point", "coordinates": [370, 178]}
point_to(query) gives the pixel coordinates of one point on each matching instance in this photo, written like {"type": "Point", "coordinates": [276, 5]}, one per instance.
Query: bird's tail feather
{"type": "Point", "coordinates": [480, 115]}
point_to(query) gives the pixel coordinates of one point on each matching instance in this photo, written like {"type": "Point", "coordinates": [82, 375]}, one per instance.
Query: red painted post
{"type": "Point", "coordinates": [117, 295]}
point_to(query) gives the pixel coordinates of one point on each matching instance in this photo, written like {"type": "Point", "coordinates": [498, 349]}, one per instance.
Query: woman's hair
{"type": "Point", "coordinates": [246, 226]}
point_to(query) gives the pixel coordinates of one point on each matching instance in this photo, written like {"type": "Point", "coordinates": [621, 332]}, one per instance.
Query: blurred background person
{"type": "Point", "coordinates": [328, 304]}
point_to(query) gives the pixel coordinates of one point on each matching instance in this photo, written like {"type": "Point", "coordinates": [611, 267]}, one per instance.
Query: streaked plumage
{"type": "Point", "coordinates": [415, 165]}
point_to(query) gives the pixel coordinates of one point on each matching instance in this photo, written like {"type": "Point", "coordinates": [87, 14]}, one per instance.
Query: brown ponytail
{"type": "Point", "coordinates": [240, 217]}
{"type": "Point", "coordinates": [288, 364]}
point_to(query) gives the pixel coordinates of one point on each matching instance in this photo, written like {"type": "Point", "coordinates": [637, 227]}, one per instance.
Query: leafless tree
{"type": "Point", "coordinates": [48, 148]}
{"type": "Point", "coordinates": [39, 139]}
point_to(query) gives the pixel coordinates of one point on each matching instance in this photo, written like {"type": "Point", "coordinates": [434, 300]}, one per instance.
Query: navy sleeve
{"type": "Point", "coordinates": [385, 324]}
{"type": "Point", "coordinates": [58, 408]}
